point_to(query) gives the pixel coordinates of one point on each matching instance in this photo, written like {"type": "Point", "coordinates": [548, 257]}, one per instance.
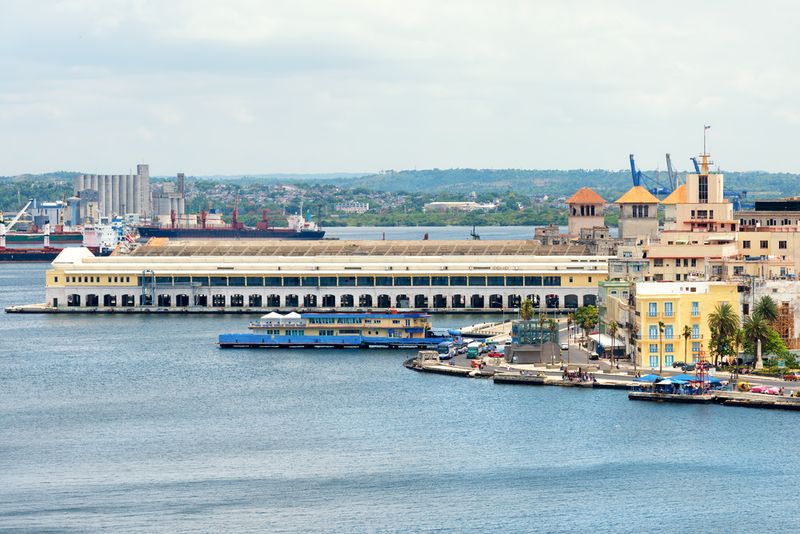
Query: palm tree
{"type": "Point", "coordinates": [552, 326]}
{"type": "Point", "coordinates": [526, 310]}
{"type": "Point", "coordinates": [739, 342]}
{"type": "Point", "coordinates": [660, 346]}
{"type": "Point", "coordinates": [766, 308]}
{"type": "Point", "coordinates": [723, 323]}
{"type": "Point", "coordinates": [687, 333]}
{"type": "Point", "coordinates": [633, 331]}
{"type": "Point", "coordinates": [612, 329]}
{"type": "Point", "coordinates": [756, 330]}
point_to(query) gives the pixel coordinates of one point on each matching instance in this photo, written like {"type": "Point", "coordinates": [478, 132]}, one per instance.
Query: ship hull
{"type": "Point", "coordinates": [229, 233]}
{"type": "Point", "coordinates": [28, 254]}
{"type": "Point", "coordinates": [240, 341]}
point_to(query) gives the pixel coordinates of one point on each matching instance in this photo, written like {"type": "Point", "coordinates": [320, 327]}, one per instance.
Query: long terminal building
{"type": "Point", "coordinates": [256, 276]}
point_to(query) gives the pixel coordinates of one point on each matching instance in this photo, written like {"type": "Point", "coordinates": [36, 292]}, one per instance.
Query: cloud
{"type": "Point", "coordinates": [253, 86]}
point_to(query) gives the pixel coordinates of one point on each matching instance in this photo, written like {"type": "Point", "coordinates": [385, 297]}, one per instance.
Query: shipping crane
{"type": "Point", "coordinates": [673, 175]}
{"type": "Point", "coordinates": [654, 186]}
{"type": "Point", "coordinates": [5, 229]}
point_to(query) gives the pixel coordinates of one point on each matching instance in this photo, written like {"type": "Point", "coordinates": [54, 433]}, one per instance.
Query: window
{"type": "Point", "coordinates": [513, 280]}
{"type": "Point", "coordinates": [745, 244]}
{"type": "Point", "coordinates": [366, 281]}
{"type": "Point", "coordinates": [56, 279]}
{"type": "Point", "coordinates": [695, 331]}
{"type": "Point", "coordinates": [653, 347]}
{"type": "Point", "coordinates": [477, 280]}
{"type": "Point", "coordinates": [347, 281]}
{"type": "Point", "coordinates": [383, 281]}
{"type": "Point", "coordinates": [495, 281]}
{"type": "Point", "coordinates": [309, 281]}
{"type": "Point", "coordinates": [658, 262]}
{"type": "Point", "coordinates": [327, 281]}
{"type": "Point", "coordinates": [533, 280]}
{"type": "Point", "coordinates": [439, 281]}
{"type": "Point", "coordinates": [652, 309]}
{"type": "Point", "coordinates": [552, 280]}
{"type": "Point", "coordinates": [669, 347]}
{"type": "Point", "coordinates": [669, 359]}
{"type": "Point", "coordinates": [273, 281]}
{"type": "Point", "coordinates": [668, 333]}
{"type": "Point", "coordinates": [219, 281]}
{"type": "Point", "coordinates": [764, 243]}
{"type": "Point", "coordinates": [402, 280]}
{"type": "Point", "coordinates": [781, 244]}
{"type": "Point", "coordinates": [326, 332]}
{"type": "Point", "coordinates": [653, 332]}
{"type": "Point", "coordinates": [291, 281]}
{"type": "Point", "coordinates": [590, 279]}
{"type": "Point", "coordinates": [570, 279]}
{"type": "Point", "coordinates": [422, 280]}
{"type": "Point", "coordinates": [695, 309]}
{"type": "Point", "coordinates": [703, 189]}
{"type": "Point", "coordinates": [653, 361]}
{"type": "Point", "coordinates": [458, 281]}
{"type": "Point", "coordinates": [236, 281]}
{"type": "Point", "coordinates": [695, 346]}
{"type": "Point", "coordinates": [668, 309]}
{"type": "Point", "coordinates": [694, 262]}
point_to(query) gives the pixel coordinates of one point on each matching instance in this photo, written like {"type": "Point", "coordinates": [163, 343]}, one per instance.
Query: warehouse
{"type": "Point", "coordinates": [244, 276]}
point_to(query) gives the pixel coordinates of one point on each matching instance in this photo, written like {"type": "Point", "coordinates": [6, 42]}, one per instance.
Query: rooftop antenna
{"type": "Point", "coordinates": [706, 128]}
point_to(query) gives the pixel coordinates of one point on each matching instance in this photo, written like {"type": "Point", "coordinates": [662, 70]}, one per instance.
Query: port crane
{"type": "Point", "coordinates": [5, 229]}
{"type": "Point", "coordinates": [653, 185]}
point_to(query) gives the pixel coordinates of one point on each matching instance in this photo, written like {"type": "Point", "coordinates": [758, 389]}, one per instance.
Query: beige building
{"type": "Point", "coordinates": [638, 214]}
{"type": "Point", "coordinates": [586, 211]}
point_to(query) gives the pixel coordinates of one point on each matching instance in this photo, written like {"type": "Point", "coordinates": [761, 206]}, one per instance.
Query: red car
{"type": "Point", "coordinates": [792, 377]}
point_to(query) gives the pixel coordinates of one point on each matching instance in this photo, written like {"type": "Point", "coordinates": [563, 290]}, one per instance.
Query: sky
{"type": "Point", "coordinates": [261, 86]}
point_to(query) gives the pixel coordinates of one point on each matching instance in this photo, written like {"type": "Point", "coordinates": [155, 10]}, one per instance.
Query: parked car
{"type": "Point", "coordinates": [594, 356]}
{"type": "Point", "coordinates": [678, 364]}
{"type": "Point", "coordinates": [565, 346]}
{"type": "Point", "coordinates": [688, 367]}
{"type": "Point", "coordinates": [792, 377]}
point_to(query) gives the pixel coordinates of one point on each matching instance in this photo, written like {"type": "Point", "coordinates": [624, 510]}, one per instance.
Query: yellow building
{"type": "Point", "coordinates": [677, 305]}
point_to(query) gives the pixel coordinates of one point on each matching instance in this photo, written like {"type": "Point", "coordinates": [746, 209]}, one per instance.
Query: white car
{"type": "Point", "coordinates": [565, 346]}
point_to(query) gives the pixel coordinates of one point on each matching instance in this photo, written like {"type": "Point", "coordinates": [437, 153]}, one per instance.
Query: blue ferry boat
{"type": "Point", "coordinates": [355, 330]}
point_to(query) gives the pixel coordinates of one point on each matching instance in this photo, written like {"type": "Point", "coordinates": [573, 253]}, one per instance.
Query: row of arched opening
{"type": "Point", "coordinates": [420, 301]}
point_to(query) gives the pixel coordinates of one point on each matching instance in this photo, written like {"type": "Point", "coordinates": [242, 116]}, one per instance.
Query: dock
{"type": "Point", "coordinates": [725, 398]}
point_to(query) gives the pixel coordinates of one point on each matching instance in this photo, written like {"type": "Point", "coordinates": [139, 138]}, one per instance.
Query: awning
{"type": "Point", "coordinates": [647, 378]}
{"type": "Point", "coordinates": [606, 340]}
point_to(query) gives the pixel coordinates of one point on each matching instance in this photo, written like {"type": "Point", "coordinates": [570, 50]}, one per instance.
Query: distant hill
{"type": "Point", "coordinates": [610, 184]}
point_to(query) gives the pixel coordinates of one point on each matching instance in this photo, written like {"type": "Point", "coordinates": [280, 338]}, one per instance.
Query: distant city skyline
{"type": "Point", "coordinates": [247, 87]}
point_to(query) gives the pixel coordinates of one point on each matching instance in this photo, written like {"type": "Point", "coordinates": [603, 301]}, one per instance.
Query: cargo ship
{"type": "Point", "coordinates": [28, 254]}
{"type": "Point", "coordinates": [298, 228]}
{"type": "Point", "coordinates": [35, 236]}
{"type": "Point", "coordinates": [345, 330]}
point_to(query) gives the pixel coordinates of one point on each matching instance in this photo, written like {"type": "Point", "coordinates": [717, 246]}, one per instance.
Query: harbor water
{"type": "Point", "coordinates": [140, 423]}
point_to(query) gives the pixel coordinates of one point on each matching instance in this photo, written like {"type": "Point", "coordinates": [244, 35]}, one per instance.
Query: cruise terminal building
{"type": "Point", "coordinates": [258, 275]}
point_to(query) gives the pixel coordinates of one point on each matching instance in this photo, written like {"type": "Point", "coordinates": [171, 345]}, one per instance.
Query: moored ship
{"type": "Point", "coordinates": [298, 228]}
{"type": "Point", "coordinates": [392, 330]}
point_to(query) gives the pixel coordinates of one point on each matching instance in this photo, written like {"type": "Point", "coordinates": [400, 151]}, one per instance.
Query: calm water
{"type": "Point", "coordinates": [141, 424]}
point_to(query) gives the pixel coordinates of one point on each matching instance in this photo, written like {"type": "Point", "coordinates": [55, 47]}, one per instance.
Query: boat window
{"type": "Point", "coordinates": [251, 280]}
{"type": "Point", "coordinates": [310, 280]}
{"type": "Point", "coordinates": [383, 280]}
{"type": "Point", "coordinates": [164, 280]}
{"type": "Point", "coordinates": [366, 281]}
{"type": "Point", "coordinates": [402, 280]}
{"type": "Point", "coordinates": [202, 280]}
{"type": "Point", "coordinates": [347, 281]}
{"type": "Point", "coordinates": [291, 281]}
{"type": "Point", "coordinates": [422, 280]}
{"type": "Point", "coordinates": [219, 281]}
{"type": "Point", "coordinates": [439, 281]}
{"type": "Point", "coordinates": [496, 281]}
{"type": "Point", "coordinates": [533, 280]}
{"type": "Point", "coordinates": [552, 280]}
{"type": "Point", "coordinates": [237, 281]}
{"type": "Point", "coordinates": [458, 280]}
{"type": "Point", "coordinates": [327, 281]}
{"type": "Point", "coordinates": [477, 280]}
{"type": "Point", "coordinates": [272, 281]}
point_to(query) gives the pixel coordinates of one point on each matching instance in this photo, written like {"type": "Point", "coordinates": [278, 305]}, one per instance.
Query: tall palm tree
{"type": "Point", "coordinates": [570, 320]}
{"type": "Point", "coordinates": [723, 323]}
{"type": "Point", "coordinates": [526, 310]}
{"type": "Point", "coordinates": [766, 308]}
{"type": "Point", "coordinates": [552, 326]}
{"type": "Point", "coordinates": [687, 333]}
{"type": "Point", "coordinates": [660, 346]}
{"type": "Point", "coordinates": [756, 330]}
{"type": "Point", "coordinates": [612, 329]}
{"type": "Point", "coordinates": [633, 332]}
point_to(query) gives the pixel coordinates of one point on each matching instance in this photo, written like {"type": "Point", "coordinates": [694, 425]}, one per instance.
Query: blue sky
{"type": "Point", "coordinates": [210, 87]}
